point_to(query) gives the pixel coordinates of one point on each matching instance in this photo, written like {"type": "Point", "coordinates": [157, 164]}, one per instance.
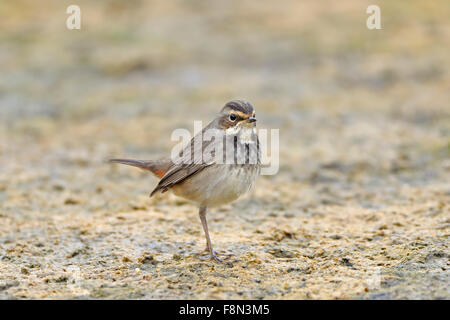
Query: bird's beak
{"type": "Point", "coordinates": [251, 119]}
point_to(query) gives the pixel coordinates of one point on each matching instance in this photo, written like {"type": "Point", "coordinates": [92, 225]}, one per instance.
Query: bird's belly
{"type": "Point", "coordinates": [218, 184]}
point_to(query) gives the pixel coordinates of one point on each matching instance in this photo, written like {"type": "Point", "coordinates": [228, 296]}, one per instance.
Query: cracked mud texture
{"type": "Point", "coordinates": [358, 210]}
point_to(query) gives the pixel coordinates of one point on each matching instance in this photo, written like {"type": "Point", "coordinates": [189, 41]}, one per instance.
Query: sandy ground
{"type": "Point", "coordinates": [358, 209]}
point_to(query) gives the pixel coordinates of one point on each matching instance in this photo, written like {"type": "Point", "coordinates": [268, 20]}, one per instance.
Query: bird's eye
{"type": "Point", "coordinates": [232, 117]}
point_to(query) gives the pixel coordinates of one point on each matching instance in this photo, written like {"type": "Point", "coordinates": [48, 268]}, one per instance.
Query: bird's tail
{"type": "Point", "coordinates": [157, 167]}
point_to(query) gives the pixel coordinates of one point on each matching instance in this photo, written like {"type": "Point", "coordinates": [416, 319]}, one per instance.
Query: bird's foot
{"type": "Point", "coordinates": [214, 255]}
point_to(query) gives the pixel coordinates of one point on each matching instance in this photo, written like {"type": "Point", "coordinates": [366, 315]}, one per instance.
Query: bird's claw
{"type": "Point", "coordinates": [214, 255]}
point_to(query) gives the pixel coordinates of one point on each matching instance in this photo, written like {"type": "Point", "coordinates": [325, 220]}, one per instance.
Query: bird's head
{"type": "Point", "coordinates": [236, 115]}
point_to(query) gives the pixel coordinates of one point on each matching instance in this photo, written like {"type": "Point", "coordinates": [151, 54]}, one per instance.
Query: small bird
{"type": "Point", "coordinates": [219, 165]}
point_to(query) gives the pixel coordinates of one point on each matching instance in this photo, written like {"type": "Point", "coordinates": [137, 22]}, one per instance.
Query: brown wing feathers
{"type": "Point", "coordinates": [169, 172]}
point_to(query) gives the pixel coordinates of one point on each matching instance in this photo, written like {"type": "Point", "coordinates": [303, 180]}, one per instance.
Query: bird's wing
{"type": "Point", "coordinates": [177, 175]}
{"type": "Point", "coordinates": [188, 165]}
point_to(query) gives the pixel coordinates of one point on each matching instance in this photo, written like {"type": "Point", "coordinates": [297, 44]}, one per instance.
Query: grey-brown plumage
{"type": "Point", "coordinates": [216, 171]}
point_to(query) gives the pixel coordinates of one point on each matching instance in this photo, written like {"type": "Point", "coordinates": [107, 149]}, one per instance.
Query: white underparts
{"type": "Point", "coordinates": [245, 133]}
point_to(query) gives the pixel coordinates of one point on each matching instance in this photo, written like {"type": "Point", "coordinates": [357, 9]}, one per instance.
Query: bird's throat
{"type": "Point", "coordinates": [245, 134]}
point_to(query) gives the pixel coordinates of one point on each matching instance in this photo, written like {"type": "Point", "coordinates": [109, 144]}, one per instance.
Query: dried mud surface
{"type": "Point", "coordinates": [358, 210]}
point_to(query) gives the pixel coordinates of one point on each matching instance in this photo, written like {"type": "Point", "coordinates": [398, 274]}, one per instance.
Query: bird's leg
{"type": "Point", "coordinates": [209, 249]}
